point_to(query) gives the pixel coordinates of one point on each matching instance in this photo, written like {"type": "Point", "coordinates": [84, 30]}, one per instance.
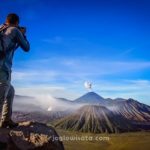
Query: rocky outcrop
{"type": "Point", "coordinates": [30, 136]}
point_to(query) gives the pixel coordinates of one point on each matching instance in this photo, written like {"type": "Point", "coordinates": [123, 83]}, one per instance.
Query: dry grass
{"type": "Point", "coordinates": [124, 141]}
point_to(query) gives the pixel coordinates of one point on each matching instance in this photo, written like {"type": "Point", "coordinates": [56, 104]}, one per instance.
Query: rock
{"type": "Point", "coordinates": [30, 136]}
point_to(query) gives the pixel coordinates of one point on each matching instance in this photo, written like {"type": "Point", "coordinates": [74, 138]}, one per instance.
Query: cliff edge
{"type": "Point", "coordinates": [30, 136]}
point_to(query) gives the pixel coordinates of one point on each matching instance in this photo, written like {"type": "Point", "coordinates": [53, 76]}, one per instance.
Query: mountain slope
{"type": "Point", "coordinates": [132, 110]}
{"type": "Point", "coordinates": [44, 117]}
{"type": "Point", "coordinates": [96, 119]}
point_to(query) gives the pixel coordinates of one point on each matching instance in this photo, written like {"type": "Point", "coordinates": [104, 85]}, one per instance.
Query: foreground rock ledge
{"type": "Point", "coordinates": [30, 136]}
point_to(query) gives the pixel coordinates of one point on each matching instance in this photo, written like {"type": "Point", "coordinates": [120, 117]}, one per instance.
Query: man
{"type": "Point", "coordinates": [13, 36]}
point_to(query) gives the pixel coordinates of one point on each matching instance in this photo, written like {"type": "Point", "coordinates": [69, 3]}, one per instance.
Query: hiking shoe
{"type": "Point", "coordinates": [3, 125]}
{"type": "Point", "coordinates": [9, 124]}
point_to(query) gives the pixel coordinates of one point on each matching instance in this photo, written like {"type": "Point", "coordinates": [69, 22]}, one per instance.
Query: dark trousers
{"type": "Point", "coordinates": [6, 96]}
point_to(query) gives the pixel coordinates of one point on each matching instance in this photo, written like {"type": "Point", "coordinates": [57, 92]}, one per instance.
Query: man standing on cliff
{"type": "Point", "coordinates": [11, 37]}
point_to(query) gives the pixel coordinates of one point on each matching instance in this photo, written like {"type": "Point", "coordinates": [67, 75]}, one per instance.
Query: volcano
{"type": "Point", "coordinates": [100, 115]}
{"type": "Point", "coordinates": [96, 119]}
{"type": "Point", "coordinates": [91, 98]}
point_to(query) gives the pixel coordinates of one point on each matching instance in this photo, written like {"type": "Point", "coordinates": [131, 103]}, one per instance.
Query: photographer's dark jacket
{"type": "Point", "coordinates": [12, 38]}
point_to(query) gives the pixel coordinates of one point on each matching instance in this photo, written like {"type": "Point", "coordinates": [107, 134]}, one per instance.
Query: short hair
{"type": "Point", "coordinates": [12, 18]}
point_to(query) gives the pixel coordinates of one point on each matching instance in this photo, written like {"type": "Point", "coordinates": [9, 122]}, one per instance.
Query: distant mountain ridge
{"type": "Point", "coordinates": [100, 115]}
{"type": "Point", "coordinates": [22, 96]}
{"type": "Point", "coordinates": [132, 110]}
{"type": "Point", "coordinates": [93, 113]}
{"type": "Point", "coordinates": [93, 98]}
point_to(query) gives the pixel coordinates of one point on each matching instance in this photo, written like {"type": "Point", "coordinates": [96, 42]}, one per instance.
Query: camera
{"type": "Point", "coordinates": [22, 29]}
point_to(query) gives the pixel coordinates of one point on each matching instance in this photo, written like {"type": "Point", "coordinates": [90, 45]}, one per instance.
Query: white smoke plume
{"type": "Point", "coordinates": [42, 103]}
{"type": "Point", "coordinates": [88, 85]}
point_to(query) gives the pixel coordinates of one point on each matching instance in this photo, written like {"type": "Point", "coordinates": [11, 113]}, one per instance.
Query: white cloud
{"type": "Point", "coordinates": [137, 89]}
{"type": "Point", "coordinates": [124, 89]}
{"type": "Point", "coordinates": [36, 75]}
{"type": "Point", "coordinates": [126, 52]}
{"type": "Point", "coordinates": [54, 40]}
{"type": "Point", "coordinates": [108, 67]}
{"type": "Point", "coordinates": [45, 90]}
{"type": "Point", "coordinates": [68, 76]}
{"type": "Point", "coordinates": [85, 66]}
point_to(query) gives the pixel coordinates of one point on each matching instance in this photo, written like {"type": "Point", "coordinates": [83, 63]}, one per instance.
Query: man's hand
{"type": "Point", "coordinates": [23, 30]}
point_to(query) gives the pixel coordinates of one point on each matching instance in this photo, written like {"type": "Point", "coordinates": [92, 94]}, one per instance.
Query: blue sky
{"type": "Point", "coordinates": [104, 42]}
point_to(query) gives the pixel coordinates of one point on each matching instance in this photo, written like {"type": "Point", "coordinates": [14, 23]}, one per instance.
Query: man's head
{"type": "Point", "coordinates": [12, 19]}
